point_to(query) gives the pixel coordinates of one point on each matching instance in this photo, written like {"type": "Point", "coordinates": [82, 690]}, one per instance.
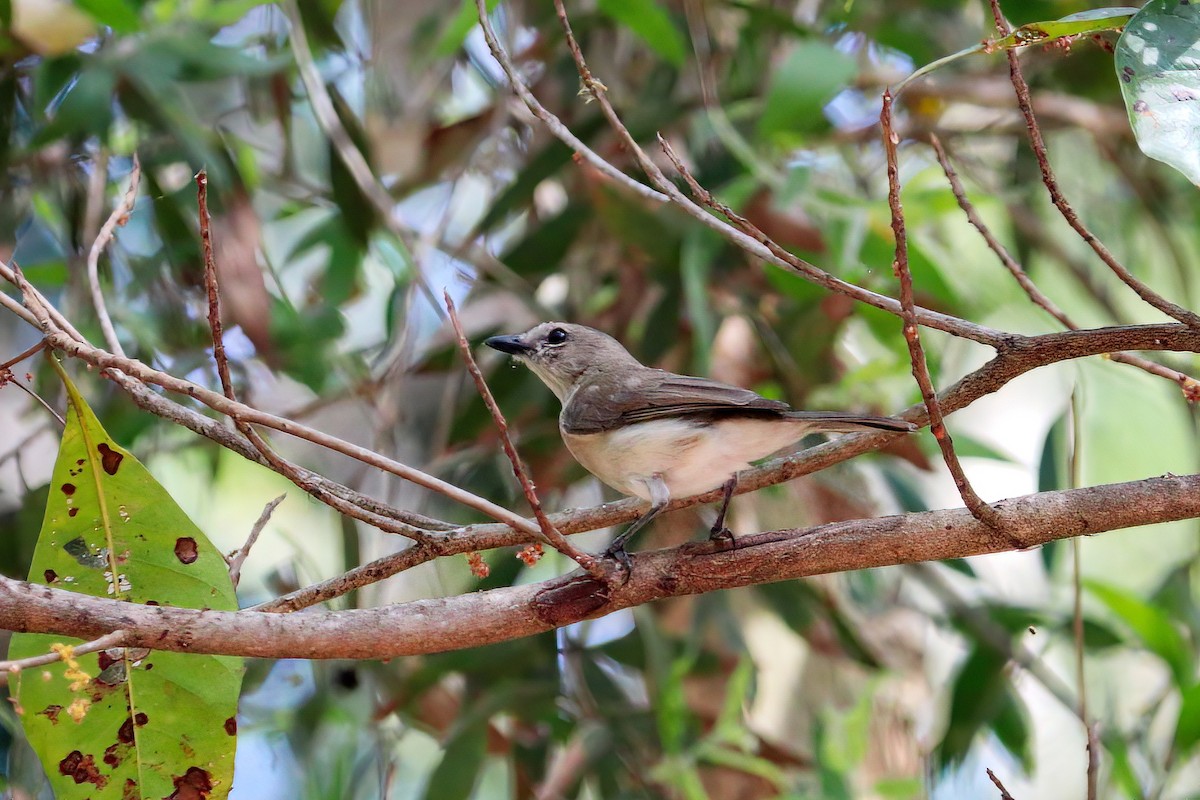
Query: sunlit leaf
{"type": "Point", "coordinates": [1160, 81]}
{"type": "Point", "coordinates": [142, 724]}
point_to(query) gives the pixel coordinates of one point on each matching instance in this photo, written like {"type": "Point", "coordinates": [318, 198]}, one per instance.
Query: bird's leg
{"type": "Point", "coordinates": [720, 533]}
{"type": "Point", "coordinates": [659, 497]}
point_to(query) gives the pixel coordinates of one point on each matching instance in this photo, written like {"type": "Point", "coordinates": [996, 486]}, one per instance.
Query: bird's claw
{"type": "Point", "coordinates": [723, 538]}
{"type": "Point", "coordinates": [618, 553]}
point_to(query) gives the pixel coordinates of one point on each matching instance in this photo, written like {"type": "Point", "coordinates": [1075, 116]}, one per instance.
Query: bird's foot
{"type": "Point", "coordinates": [723, 538]}
{"type": "Point", "coordinates": [617, 552]}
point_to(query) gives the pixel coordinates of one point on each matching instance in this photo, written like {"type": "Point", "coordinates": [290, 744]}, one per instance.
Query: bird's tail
{"type": "Point", "coordinates": [848, 421]}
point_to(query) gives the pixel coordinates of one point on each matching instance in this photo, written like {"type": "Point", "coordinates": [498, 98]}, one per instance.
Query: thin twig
{"type": "Point", "coordinates": [1004, 795]}
{"type": "Point", "coordinates": [751, 240]}
{"type": "Point", "coordinates": [15, 666]}
{"type": "Point", "coordinates": [555, 539]}
{"type": "Point", "coordinates": [553, 123]}
{"type": "Point", "coordinates": [60, 340]}
{"type": "Point", "coordinates": [316, 485]}
{"type": "Point", "coordinates": [1038, 145]}
{"type": "Point", "coordinates": [1189, 385]}
{"type": "Point", "coordinates": [293, 472]}
{"type": "Point", "coordinates": [6, 377]}
{"type": "Point", "coordinates": [238, 557]}
{"type": "Point", "coordinates": [210, 286]}
{"type": "Point", "coordinates": [119, 216]}
{"type": "Point", "coordinates": [979, 509]}
{"type": "Point", "coordinates": [24, 354]}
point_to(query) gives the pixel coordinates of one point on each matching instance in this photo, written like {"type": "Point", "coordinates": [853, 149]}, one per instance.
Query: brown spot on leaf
{"type": "Point", "coordinates": [72, 511]}
{"type": "Point", "coordinates": [68, 489]}
{"type": "Point", "coordinates": [114, 754]}
{"type": "Point", "coordinates": [108, 657]}
{"type": "Point", "coordinates": [82, 769]}
{"type": "Point", "coordinates": [125, 732]}
{"type": "Point", "coordinates": [50, 575]}
{"type": "Point", "coordinates": [231, 726]}
{"type": "Point", "coordinates": [109, 459]}
{"type": "Point", "coordinates": [79, 462]}
{"type": "Point", "coordinates": [51, 713]}
{"type": "Point", "coordinates": [140, 718]}
{"type": "Point", "coordinates": [195, 784]}
{"type": "Point", "coordinates": [185, 549]}
{"type": "Point", "coordinates": [131, 790]}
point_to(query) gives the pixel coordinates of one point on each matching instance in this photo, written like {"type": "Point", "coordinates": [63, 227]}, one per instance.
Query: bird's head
{"type": "Point", "coordinates": [562, 354]}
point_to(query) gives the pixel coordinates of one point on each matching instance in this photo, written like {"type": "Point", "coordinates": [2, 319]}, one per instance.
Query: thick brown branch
{"type": "Point", "coordinates": [482, 618]}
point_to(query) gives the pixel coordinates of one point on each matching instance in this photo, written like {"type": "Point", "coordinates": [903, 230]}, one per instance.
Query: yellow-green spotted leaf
{"type": "Point", "coordinates": [126, 723]}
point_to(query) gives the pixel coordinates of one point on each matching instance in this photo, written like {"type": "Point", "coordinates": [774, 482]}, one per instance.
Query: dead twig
{"type": "Point", "coordinates": [1004, 795]}
{"type": "Point", "coordinates": [979, 509]}
{"type": "Point", "coordinates": [237, 558]}
{"type": "Point", "coordinates": [118, 217]}
{"type": "Point", "coordinates": [553, 537]}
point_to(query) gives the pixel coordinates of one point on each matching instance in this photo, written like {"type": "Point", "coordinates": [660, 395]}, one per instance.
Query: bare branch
{"type": "Point", "coordinates": [119, 216]}
{"type": "Point", "coordinates": [553, 123]}
{"type": "Point", "coordinates": [1189, 385]}
{"type": "Point", "coordinates": [937, 426]}
{"type": "Point", "coordinates": [1038, 144]}
{"type": "Point", "coordinates": [759, 246]}
{"type": "Point", "coordinates": [480, 618]}
{"type": "Point", "coordinates": [60, 340]}
{"type": "Point", "coordinates": [24, 354]}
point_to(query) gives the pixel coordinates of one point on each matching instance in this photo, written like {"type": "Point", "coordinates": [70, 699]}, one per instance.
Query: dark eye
{"type": "Point", "coordinates": [556, 336]}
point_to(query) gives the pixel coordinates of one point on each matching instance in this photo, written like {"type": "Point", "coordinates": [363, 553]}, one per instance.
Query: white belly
{"type": "Point", "coordinates": [689, 458]}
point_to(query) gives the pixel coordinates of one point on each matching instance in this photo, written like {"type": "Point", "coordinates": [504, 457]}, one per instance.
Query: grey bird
{"type": "Point", "coordinates": [657, 435]}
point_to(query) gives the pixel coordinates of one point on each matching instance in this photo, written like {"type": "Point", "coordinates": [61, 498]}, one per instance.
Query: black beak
{"type": "Point", "coordinates": [508, 344]}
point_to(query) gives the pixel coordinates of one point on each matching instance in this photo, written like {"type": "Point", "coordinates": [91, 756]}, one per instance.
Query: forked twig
{"type": "Point", "coordinates": [979, 509]}
{"type": "Point", "coordinates": [1189, 385]}
{"type": "Point", "coordinates": [556, 539]}
{"type": "Point", "coordinates": [119, 216]}
{"type": "Point", "coordinates": [1021, 87]}
{"type": "Point", "coordinates": [237, 558]}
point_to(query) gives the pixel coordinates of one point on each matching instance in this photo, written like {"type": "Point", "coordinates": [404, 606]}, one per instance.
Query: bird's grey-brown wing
{"type": "Point", "coordinates": [655, 394]}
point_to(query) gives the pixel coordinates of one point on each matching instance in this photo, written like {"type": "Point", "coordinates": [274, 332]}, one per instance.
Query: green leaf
{"type": "Point", "coordinates": [87, 107]}
{"type": "Point", "coordinates": [800, 87]}
{"type": "Point", "coordinates": [1187, 729]}
{"type": "Point", "coordinates": [652, 23]}
{"type": "Point", "coordinates": [1160, 81]}
{"type": "Point", "coordinates": [455, 775]}
{"type": "Point", "coordinates": [456, 32]}
{"type": "Point", "coordinates": [1152, 627]}
{"type": "Point", "coordinates": [116, 14]}
{"type": "Point", "coordinates": [1097, 20]}
{"type": "Point", "coordinates": [150, 723]}
{"type": "Point", "coordinates": [979, 698]}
